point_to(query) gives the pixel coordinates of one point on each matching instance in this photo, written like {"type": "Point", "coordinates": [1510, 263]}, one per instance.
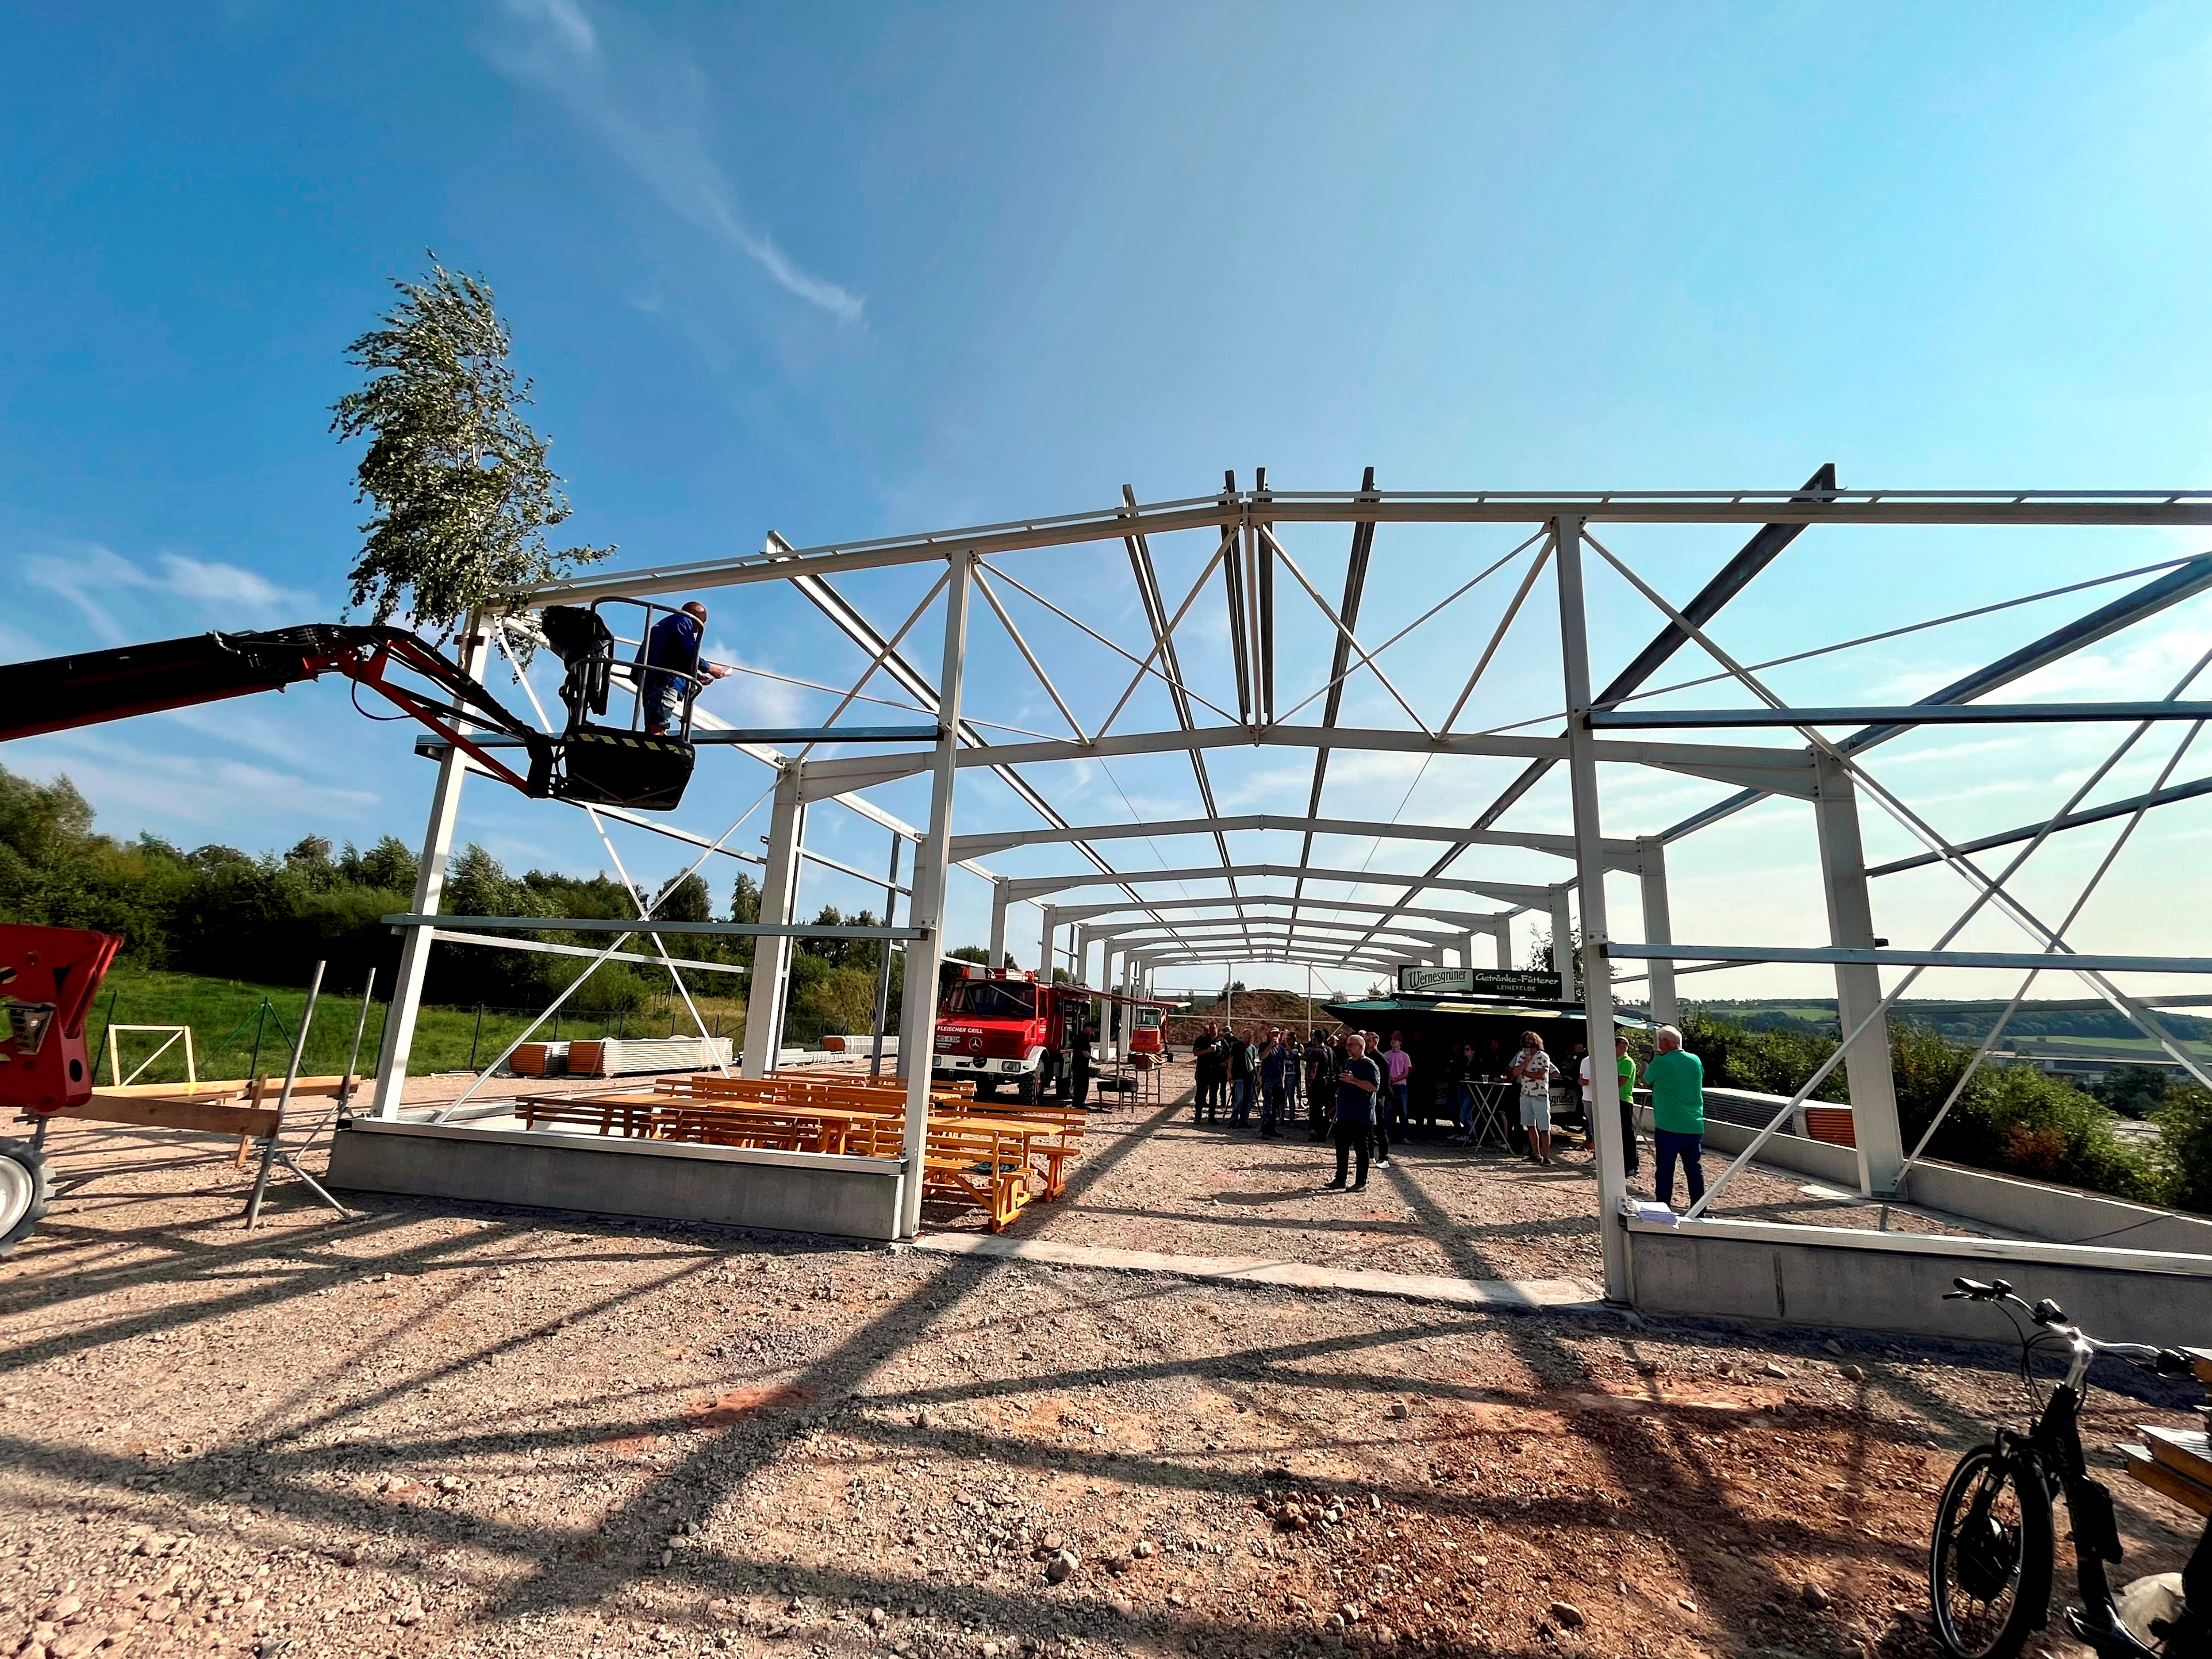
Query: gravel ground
{"type": "Point", "coordinates": [1153, 1180]}
{"type": "Point", "coordinates": [433, 1429]}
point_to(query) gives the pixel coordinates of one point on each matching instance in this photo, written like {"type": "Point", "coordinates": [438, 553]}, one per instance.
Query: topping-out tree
{"type": "Point", "coordinates": [462, 493]}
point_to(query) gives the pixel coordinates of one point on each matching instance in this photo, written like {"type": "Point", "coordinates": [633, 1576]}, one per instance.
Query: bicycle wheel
{"type": "Point", "coordinates": [1989, 1560]}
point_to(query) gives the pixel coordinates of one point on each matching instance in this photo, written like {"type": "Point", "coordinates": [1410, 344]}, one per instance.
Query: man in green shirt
{"type": "Point", "coordinates": [1676, 1078]}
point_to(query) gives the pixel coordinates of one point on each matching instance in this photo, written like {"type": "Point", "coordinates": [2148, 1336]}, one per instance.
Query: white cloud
{"type": "Point", "coordinates": [93, 578]}
{"type": "Point", "coordinates": [650, 110]}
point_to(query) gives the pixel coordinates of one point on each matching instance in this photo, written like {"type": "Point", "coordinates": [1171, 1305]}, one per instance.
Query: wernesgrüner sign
{"type": "Point", "coordinates": [1478, 982]}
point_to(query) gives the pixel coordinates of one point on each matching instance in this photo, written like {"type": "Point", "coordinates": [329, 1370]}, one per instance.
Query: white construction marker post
{"type": "Point", "coordinates": [932, 859]}
{"type": "Point", "coordinates": [1589, 868]}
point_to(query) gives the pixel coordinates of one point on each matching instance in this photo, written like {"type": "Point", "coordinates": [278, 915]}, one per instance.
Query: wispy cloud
{"type": "Point", "coordinates": [649, 108]}
{"type": "Point", "coordinates": [95, 579]}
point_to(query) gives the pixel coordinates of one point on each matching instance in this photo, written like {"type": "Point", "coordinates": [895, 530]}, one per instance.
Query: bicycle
{"type": "Point", "coordinates": [1991, 1556]}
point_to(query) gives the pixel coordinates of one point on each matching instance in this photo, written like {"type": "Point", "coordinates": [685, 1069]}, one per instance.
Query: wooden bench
{"type": "Point", "coordinates": [998, 1159]}
{"type": "Point", "coordinates": [1058, 1139]}
{"type": "Point", "coordinates": [796, 1129]}
{"type": "Point", "coordinates": [630, 1116]}
{"type": "Point", "coordinates": [983, 1160]}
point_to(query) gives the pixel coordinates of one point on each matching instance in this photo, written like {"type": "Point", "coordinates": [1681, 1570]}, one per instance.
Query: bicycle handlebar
{"type": "Point", "coordinates": [2164, 1362]}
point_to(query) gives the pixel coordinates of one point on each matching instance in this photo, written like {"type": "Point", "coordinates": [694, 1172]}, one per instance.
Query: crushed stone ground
{"type": "Point", "coordinates": [439, 1429]}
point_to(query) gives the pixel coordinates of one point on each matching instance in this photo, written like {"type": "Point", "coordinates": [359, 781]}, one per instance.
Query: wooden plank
{"type": "Point", "coordinates": [178, 1112]}
{"type": "Point", "coordinates": [2184, 1450]}
{"type": "Point", "coordinates": [2200, 1363]}
{"type": "Point", "coordinates": [2175, 1485]}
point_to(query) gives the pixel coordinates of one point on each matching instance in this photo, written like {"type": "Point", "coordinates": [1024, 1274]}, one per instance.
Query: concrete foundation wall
{"type": "Point", "coordinates": [2058, 1213]}
{"type": "Point", "coordinates": [1827, 1278]}
{"type": "Point", "coordinates": [2007, 1203]}
{"type": "Point", "coordinates": [736, 1187]}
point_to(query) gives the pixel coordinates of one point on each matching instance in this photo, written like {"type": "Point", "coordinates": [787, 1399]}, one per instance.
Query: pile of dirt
{"type": "Point", "coordinates": [1250, 1010]}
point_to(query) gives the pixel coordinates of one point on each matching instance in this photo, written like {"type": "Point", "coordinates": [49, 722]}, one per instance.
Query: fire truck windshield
{"type": "Point", "coordinates": [992, 998]}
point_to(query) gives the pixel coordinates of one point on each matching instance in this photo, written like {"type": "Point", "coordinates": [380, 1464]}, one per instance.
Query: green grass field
{"type": "Point", "coordinates": [224, 1016]}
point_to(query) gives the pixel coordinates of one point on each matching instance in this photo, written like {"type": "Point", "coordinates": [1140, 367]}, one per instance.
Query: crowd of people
{"type": "Point", "coordinates": [1359, 1090]}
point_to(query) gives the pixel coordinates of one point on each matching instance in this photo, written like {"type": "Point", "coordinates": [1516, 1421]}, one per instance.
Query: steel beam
{"type": "Point", "coordinates": [1163, 627]}
{"type": "Point", "coordinates": [769, 986]}
{"type": "Point", "coordinates": [1858, 985]}
{"type": "Point", "coordinates": [1747, 506]}
{"type": "Point", "coordinates": [1658, 929]}
{"type": "Point", "coordinates": [1604, 1122]}
{"type": "Point", "coordinates": [2181, 582]}
{"type": "Point", "coordinates": [932, 861]}
{"type": "Point", "coordinates": [2118, 809]}
{"type": "Point", "coordinates": [1903, 716]}
{"type": "Point", "coordinates": [985, 843]}
{"type": "Point", "coordinates": [2057, 962]}
{"type": "Point", "coordinates": [1030, 887]}
{"type": "Point", "coordinates": [430, 882]}
{"type": "Point", "coordinates": [1364, 907]}
{"type": "Point", "coordinates": [648, 925]}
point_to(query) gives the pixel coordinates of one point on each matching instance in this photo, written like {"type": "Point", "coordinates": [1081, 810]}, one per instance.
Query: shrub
{"type": "Point", "coordinates": [2185, 1135]}
{"type": "Point", "coordinates": [2015, 1119]}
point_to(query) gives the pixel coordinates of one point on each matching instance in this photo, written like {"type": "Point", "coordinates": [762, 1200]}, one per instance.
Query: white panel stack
{"type": "Point", "coordinates": [628, 1056]}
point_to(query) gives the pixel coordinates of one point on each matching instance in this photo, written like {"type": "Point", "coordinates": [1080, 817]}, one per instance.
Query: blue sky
{"type": "Point", "coordinates": [842, 272]}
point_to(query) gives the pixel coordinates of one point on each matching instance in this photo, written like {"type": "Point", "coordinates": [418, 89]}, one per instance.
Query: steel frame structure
{"type": "Point", "coordinates": [1250, 573]}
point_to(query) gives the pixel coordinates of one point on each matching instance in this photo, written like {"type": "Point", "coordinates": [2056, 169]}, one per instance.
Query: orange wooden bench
{"type": "Point", "coordinates": [630, 1116]}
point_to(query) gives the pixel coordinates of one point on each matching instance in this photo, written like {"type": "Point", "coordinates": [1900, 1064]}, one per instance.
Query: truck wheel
{"type": "Point", "coordinates": [25, 1192]}
{"type": "Point", "coordinates": [1025, 1091]}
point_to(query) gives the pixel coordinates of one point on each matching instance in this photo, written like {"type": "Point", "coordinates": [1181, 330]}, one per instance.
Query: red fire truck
{"type": "Point", "coordinates": [1002, 1028]}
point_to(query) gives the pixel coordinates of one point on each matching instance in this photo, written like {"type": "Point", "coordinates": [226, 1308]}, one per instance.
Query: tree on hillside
{"type": "Point", "coordinates": [40, 821]}
{"type": "Point", "coordinates": [390, 864]}
{"type": "Point", "coordinates": [462, 492]}
{"type": "Point", "coordinates": [1542, 961]}
{"type": "Point", "coordinates": [685, 898]}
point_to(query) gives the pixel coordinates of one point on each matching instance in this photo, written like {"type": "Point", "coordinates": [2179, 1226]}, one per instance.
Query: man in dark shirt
{"type": "Point", "coordinates": [672, 665]}
{"type": "Point", "coordinates": [1078, 1080]}
{"type": "Point", "coordinates": [1277, 1077]}
{"type": "Point", "coordinates": [1357, 1081]}
{"type": "Point", "coordinates": [1206, 1055]}
{"type": "Point", "coordinates": [1243, 1078]}
{"type": "Point", "coordinates": [1320, 1086]}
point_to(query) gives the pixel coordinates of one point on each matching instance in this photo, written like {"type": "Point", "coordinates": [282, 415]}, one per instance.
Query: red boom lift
{"type": "Point", "coordinates": [48, 976]}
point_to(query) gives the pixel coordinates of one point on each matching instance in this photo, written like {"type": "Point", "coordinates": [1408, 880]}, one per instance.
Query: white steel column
{"type": "Point", "coordinates": [769, 990]}
{"type": "Point", "coordinates": [430, 882]}
{"type": "Point", "coordinates": [1466, 951]}
{"type": "Point", "coordinates": [1589, 871]}
{"type": "Point", "coordinates": [1501, 930]}
{"type": "Point", "coordinates": [998, 922]}
{"type": "Point", "coordinates": [1858, 989]}
{"type": "Point", "coordinates": [1045, 948]}
{"type": "Point", "coordinates": [1563, 929]}
{"type": "Point", "coordinates": [932, 862]}
{"type": "Point", "coordinates": [1658, 926]}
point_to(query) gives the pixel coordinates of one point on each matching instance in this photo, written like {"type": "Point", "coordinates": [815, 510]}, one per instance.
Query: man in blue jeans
{"type": "Point", "coordinates": [1358, 1081]}
{"type": "Point", "coordinates": [1676, 1078]}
